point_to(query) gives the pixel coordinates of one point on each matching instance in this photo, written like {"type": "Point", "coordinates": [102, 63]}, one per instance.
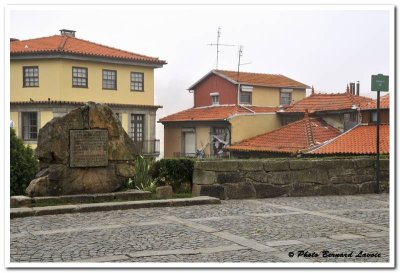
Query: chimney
{"type": "Point", "coordinates": [312, 89]}
{"type": "Point", "coordinates": [352, 88]}
{"type": "Point", "coordinates": [358, 88]}
{"type": "Point", "coordinates": [67, 32]}
{"type": "Point", "coordinates": [347, 88]}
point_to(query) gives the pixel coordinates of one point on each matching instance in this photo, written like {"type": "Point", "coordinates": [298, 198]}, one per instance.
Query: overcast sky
{"type": "Point", "coordinates": [317, 46]}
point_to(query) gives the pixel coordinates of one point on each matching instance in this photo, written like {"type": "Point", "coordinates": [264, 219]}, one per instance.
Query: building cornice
{"type": "Point", "coordinates": [82, 57]}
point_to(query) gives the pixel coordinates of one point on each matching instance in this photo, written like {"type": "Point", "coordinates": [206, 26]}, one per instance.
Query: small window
{"type": "Point", "coordinates": [286, 98]}
{"type": "Point", "coordinates": [245, 97]}
{"type": "Point", "coordinates": [80, 77]}
{"type": "Point", "coordinates": [374, 116]}
{"type": "Point", "coordinates": [31, 76]}
{"type": "Point", "coordinates": [110, 79]}
{"type": "Point", "coordinates": [29, 125]}
{"type": "Point", "coordinates": [137, 81]}
{"type": "Point", "coordinates": [215, 99]}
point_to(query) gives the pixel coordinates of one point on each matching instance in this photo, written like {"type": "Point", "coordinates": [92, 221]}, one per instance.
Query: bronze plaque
{"type": "Point", "coordinates": [88, 148]}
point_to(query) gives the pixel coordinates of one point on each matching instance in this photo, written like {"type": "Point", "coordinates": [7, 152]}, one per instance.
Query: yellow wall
{"type": "Point", "coordinates": [55, 82]}
{"type": "Point", "coordinates": [298, 94]}
{"type": "Point", "coordinates": [172, 140]}
{"type": "Point", "coordinates": [265, 96]}
{"type": "Point", "coordinates": [45, 116]}
{"type": "Point", "coordinates": [202, 138]}
{"type": "Point", "coordinates": [268, 96]}
{"type": "Point", "coordinates": [124, 121]}
{"type": "Point", "coordinates": [244, 127]}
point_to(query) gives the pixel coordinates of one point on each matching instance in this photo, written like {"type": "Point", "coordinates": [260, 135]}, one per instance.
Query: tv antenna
{"type": "Point", "coordinates": [218, 44]}
{"type": "Point", "coordinates": [239, 63]}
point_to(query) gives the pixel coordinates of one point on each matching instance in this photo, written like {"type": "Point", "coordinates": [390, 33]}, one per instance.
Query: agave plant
{"type": "Point", "coordinates": [142, 179]}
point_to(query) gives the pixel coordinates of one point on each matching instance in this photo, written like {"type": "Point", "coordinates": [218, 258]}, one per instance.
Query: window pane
{"type": "Point", "coordinates": [31, 76]}
{"type": "Point", "coordinates": [136, 81]}
{"type": "Point", "coordinates": [29, 125]}
{"type": "Point", "coordinates": [79, 77]}
{"type": "Point", "coordinates": [245, 97]}
{"type": "Point", "coordinates": [286, 98]}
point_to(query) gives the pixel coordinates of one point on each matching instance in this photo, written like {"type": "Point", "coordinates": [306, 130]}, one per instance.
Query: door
{"type": "Point", "coordinates": [190, 143]}
{"type": "Point", "coordinates": [137, 124]}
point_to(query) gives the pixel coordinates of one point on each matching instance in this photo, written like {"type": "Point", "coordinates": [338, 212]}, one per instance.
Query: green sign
{"type": "Point", "coordinates": [380, 83]}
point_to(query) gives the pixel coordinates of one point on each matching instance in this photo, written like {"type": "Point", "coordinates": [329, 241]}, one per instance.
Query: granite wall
{"type": "Point", "coordinates": [239, 179]}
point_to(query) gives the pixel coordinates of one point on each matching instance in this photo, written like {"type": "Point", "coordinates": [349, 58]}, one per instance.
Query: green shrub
{"type": "Point", "coordinates": [177, 173]}
{"type": "Point", "coordinates": [23, 165]}
{"type": "Point", "coordinates": [142, 179]}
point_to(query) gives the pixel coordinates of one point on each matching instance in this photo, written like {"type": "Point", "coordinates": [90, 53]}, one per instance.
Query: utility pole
{"type": "Point", "coordinates": [218, 45]}
{"type": "Point", "coordinates": [378, 83]}
{"type": "Point", "coordinates": [240, 55]}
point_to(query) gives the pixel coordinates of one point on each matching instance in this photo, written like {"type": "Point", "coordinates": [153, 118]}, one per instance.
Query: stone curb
{"type": "Point", "coordinates": [131, 195]}
{"type": "Point", "coordinates": [38, 211]}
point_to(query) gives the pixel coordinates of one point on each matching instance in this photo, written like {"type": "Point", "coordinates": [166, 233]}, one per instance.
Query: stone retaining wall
{"type": "Point", "coordinates": [239, 179]}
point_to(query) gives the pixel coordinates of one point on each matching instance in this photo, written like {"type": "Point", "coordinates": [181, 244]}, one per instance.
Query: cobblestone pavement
{"type": "Point", "coordinates": [257, 230]}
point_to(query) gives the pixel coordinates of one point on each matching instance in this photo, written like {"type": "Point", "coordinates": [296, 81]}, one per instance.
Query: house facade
{"type": "Point", "coordinates": [290, 140]}
{"type": "Point", "coordinates": [369, 112]}
{"type": "Point", "coordinates": [340, 110]}
{"type": "Point", "coordinates": [228, 107]}
{"type": "Point", "coordinates": [52, 75]}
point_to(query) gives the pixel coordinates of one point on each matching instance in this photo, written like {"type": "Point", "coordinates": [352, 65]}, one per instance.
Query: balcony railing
{"type": "Point", "coordinates": [148, 147]}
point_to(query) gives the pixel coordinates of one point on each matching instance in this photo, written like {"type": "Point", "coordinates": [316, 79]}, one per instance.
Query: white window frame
{"type": "Point", "coordinates": [250, 96]}
{"type": "Point", "coordinates": [214, 98]}
{"type": "Point", "coordinates": [285, 91]}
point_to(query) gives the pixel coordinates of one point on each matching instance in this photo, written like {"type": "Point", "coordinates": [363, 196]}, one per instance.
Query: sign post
{"type": "Point", "coordinates": [378, 83]}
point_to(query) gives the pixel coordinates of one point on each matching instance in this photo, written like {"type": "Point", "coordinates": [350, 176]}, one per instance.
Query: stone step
{"type": "Point", "coordinates": [25, 201]}
{"type": "Point", "coordinates": [107, 206]}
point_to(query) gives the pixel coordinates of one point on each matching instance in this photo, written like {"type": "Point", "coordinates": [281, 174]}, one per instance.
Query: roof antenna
{"type": "Point", "coordinates": [218, 45]}
{"type": "Point", "coordinates": [239, 64]}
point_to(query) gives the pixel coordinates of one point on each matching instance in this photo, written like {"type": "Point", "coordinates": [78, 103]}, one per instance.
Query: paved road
{"type": "Point", "coordinates": [258, 230]}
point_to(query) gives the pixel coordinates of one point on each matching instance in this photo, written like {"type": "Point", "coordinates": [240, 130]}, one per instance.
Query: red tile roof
{"type": "Point", "coordinates": [215, 113]}
{"type": "Point", "coordinates": [72, 45]}
{"type": "Point", "coordinates": [257, 79]}
{"type": "Point", "coordinates": [60, 102]}
{"type": "Point", "coordinates": [272, 80]}
{"type": "Point", "coordinates": [292, 138]}
{"type": "Point", "coordinates": [359, 140]}
{"type": "Point", "coordinates": [327, 102]}
{"type": "Point", "coordinates": [384, 103]}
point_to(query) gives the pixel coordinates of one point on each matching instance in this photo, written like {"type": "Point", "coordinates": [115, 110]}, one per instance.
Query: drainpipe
{"type": "Point", "coordinates": [238, 94]}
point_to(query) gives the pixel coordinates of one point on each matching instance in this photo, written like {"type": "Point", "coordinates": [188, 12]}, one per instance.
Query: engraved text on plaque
{"type": "Point", "coordinates": [88, 148]}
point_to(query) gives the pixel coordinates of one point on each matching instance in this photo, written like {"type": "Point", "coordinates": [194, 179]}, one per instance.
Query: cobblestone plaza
{"type": "Point", "coordinates": [352, 228]}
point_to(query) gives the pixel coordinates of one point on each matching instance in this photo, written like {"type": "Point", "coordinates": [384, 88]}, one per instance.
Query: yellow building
{"type": "Point", "coordinates": [52, 75]}
{"type": "Point", "coordinates": [228, 108]}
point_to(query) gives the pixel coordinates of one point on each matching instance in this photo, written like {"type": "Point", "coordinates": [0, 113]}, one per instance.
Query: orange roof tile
{"type": "Point", "coordinates": [257, 79]}
{"type": "Point", "coordinates": [215, 113]}
{"type": "Point", "coordinates": [73, 45]}
{"type": "Point", "coordinates": [359, 140]}
{"type": "Point", "coordinates": [292, 138]}
{"type": "Point", "coordinates": [272, 80]}
{"type": "Point", "coordinates": [327, 102]}
{"type": "Point", "coordinates": [384, 103]}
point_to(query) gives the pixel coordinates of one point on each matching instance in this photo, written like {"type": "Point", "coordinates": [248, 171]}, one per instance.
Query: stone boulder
{"type": "Point", "coordinates": [164, 192]}
{"type": "Point", "coordinates": [99, 163]}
